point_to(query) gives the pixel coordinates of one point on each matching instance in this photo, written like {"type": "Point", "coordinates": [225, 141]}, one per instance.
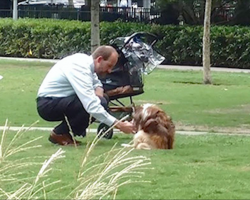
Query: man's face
{"type": "Point", "coordinates": [104, 67]}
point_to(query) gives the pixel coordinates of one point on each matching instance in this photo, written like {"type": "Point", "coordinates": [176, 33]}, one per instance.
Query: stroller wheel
{"type": "Point", "coordinates": [102, 129]}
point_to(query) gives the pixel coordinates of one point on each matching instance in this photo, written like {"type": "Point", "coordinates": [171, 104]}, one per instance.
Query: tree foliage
{"type": "Point", "coordinates": [222, 11]}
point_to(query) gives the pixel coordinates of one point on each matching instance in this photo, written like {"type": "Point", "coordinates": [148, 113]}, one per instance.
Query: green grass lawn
{"type": "Point", "coordinates": [211, 166]}
{"type": "Point", "coordinates": [179, 93]}
{"type": "Point", "coordinates": [199, 167]}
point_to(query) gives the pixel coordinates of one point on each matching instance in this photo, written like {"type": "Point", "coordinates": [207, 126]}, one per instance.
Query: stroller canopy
{"type": "Point", "coordinates": [136, 58]}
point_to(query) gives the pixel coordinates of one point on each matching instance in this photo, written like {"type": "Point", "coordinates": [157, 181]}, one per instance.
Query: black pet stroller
{"type": "Point", "coordinates": [136, 58]}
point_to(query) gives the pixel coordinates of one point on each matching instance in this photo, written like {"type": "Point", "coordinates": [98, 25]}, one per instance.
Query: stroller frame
{"type": "Point", "coordinates": [121, 76]}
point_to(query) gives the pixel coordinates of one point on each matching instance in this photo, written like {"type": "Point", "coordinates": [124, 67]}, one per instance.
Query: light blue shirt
{"type": "Point", "coordinates": [75, 75]}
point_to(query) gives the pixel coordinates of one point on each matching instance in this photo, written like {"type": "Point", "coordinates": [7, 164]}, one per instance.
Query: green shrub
{"type": "Point", "coordinates": [230, 46]}
{"type": "Point", "coordinates": [49, 38]}
{"type": "Point", "coordinates": [45, 38]}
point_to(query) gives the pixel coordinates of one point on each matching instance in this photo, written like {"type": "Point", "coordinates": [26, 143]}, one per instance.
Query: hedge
{"type": "Point", "coordinates": [182, 45]}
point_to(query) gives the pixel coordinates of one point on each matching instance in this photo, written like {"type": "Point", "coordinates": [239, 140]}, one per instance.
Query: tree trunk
{"type": "Point", "coordinates": [206, 44]}
{"type": "Point", "coordinates": [15, 12]}
{"type": "Point", "coordinates": [71, 3]}
{"type": "Point", "coordinates": [95, 25]}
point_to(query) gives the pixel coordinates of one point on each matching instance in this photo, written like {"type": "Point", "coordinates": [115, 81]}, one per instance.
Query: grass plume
{"type": "Point", "coordinates": [10, 170]}
{"type": "Point", "coordinates": [101, 179]}
{"type": "Point", "coordinates": [97, 178]}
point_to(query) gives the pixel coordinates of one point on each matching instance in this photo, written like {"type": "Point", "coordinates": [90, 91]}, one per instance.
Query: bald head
{"type": "Point", "coordinates": [105, 58]}
{"type": "Point", "coordinates": [104, 51]}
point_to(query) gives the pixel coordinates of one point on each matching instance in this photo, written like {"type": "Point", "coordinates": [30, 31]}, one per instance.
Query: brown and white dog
{"type": "Point", "coordinates": [154, 128]}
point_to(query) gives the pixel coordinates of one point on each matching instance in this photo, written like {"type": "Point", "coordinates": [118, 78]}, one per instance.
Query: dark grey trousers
{"type": "Point", "coordinates": [55, 109]}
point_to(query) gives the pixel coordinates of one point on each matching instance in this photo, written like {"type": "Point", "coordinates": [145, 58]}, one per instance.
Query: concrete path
{"type": "Point", "coordinates": [171, 67]}
{"type": "Point", "coordinates": [116, 131]}
{"type": "Point", "coordinates": [30, 59]}
{"type": "Point", "coordinates": [200, 68]}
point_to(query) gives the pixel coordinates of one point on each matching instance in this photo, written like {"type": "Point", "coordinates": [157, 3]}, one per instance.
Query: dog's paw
{"type": "Point", "coordinates": [126, 145]}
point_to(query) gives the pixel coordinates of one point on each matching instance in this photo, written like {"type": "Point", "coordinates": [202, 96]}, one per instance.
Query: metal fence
{"type": "Point", "coordinates": [83, 13]}
{"type": "Point", "coordinates": [5, 13]}
{"type": "Point", "coordinates": [110, 14]}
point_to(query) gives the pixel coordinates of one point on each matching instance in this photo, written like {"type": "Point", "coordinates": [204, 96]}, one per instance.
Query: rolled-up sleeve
{"type": "Point", "coordinates": [96, 81]}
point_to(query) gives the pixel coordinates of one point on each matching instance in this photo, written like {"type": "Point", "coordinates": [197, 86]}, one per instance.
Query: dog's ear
{"type": "Point", "coordinates": [150, 125]}
{"type": "Point", "coordinates": [167, 136]}
{"type": "Point", "coordinates": [137, 116]}
{"type": "Point", "coordinates": [167, 126]}
{"type": "Point", "coordinates": [166, 121]}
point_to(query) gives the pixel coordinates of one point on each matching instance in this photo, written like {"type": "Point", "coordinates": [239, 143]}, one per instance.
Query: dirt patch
{"type": "Point", "coordinates": [244, 129]}
{"type": "Point", "coordinates": [238, 109]}
{"type": "Point", "coordinates": [244, 169]}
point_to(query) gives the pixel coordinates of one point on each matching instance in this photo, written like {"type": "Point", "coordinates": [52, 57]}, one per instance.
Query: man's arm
{"type": "Point", "coordinates": [82, 84]}
{"type": "Point", "coordinates": [99, 91]}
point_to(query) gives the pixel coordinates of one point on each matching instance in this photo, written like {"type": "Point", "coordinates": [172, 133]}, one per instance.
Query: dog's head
{"type": "Point", "coordinates": [150, 117]}
{"type": "Point", "coordinates": [153, 120]}
{"type": "Point", "coordinates": [143, 113]}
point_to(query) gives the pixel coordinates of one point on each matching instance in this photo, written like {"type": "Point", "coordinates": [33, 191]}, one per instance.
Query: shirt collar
{"type": "Point", "coordinates": [92, 66]}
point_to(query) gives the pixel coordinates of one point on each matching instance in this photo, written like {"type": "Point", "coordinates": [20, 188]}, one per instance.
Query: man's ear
{"type": "Point", "coordinates": [99, 59]}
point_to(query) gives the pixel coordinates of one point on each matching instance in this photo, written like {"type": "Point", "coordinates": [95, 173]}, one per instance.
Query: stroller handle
{"type": "Point", "coordinates": [139, 34]}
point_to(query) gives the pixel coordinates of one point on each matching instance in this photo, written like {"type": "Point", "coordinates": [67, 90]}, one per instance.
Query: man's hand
{"type": "Point", "coordinates": [126, 127]}
{"type": "Point", "coordinates": [99, 91]}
